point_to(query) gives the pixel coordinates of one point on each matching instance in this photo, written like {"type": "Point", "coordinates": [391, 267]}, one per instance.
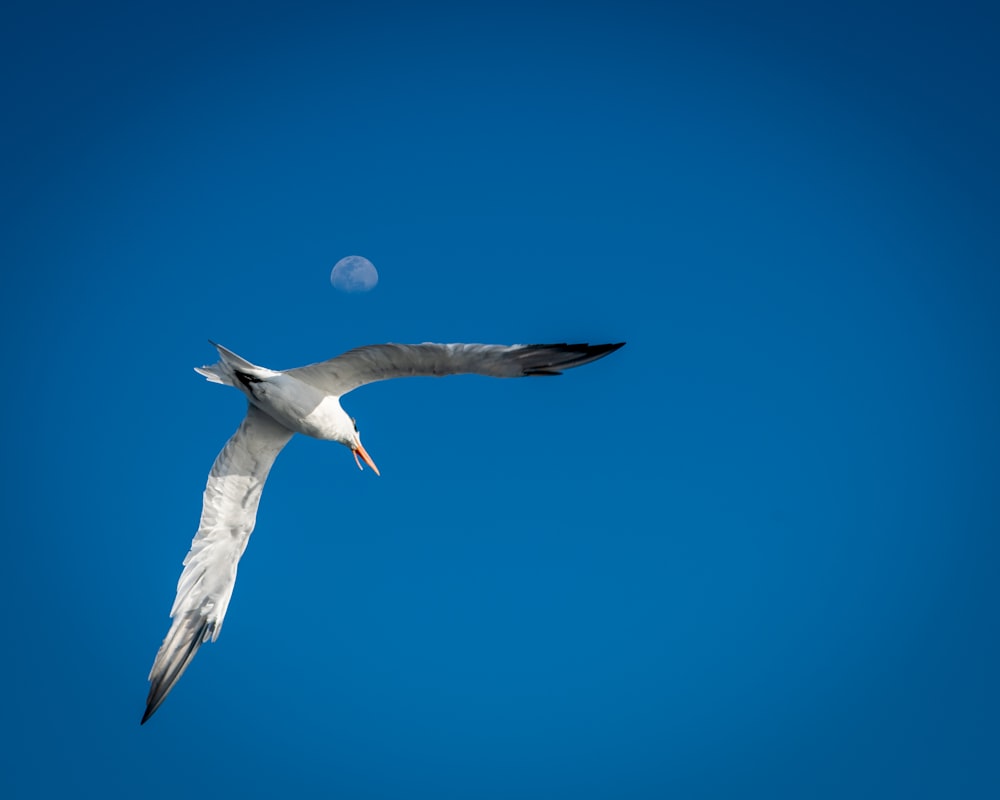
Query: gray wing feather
{"type": "Point", "coordinates": [228, 515]}
{"type": "Point", "coordinates": [380, 362]}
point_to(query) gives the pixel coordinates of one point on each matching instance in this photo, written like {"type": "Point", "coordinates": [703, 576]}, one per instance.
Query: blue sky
{"type": "Point", "coordinates": [751, 554]}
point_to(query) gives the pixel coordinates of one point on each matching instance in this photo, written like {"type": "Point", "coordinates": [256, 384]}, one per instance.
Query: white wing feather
{"type": "Point", "coordinates": [380, 362]}
{"type": "Point", "coordinates": [227, 519]}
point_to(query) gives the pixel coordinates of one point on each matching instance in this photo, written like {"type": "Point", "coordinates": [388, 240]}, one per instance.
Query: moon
{"type": "Point", "coordinates": [354, 274]}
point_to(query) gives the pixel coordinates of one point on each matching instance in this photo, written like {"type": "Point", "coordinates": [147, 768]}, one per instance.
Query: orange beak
{"type": "Point", "coordinates": [364, 454]}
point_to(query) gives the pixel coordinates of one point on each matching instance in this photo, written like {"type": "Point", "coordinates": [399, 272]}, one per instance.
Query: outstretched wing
{"type": "Point", "coordinates": [227, 518]}
{"type": "Point", "coordinates": [380, 362]}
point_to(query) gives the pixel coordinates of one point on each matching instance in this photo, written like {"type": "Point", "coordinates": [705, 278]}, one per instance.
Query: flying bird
{"type": "Point", "coordinates": [303, 400]}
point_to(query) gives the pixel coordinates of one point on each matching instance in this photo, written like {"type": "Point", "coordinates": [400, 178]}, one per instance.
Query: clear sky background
{"type": "Point", "coordinates": [752, 554]}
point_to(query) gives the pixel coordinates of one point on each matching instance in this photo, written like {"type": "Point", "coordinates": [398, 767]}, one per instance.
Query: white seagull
{"type": "Point", "coordinates": [303, 400]}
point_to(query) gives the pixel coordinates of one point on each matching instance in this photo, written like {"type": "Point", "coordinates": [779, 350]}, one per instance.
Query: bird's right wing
{"type": "Point", "coordinates": [381, 362]}
{"type": "Point", "coordinates": [227, 519]}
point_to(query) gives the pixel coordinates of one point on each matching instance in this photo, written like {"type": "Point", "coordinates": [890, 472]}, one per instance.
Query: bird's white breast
{"type": "Point", "coordinates": [328, 421]}
{"type": "Point", "coordinates": [301, 407]}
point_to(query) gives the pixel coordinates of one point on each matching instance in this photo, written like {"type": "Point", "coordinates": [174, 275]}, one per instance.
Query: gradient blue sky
{"type": "Point", "coordinates": [752, 554]}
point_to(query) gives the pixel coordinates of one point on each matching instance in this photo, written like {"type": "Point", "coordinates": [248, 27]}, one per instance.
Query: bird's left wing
{"type": "Point", "coordinates": [227, 519]}
{"type": "Point", "coordinates": [379, 362]}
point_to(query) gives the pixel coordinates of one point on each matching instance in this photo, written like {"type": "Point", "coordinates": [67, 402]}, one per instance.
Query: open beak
{"type": "Point", "coordinates": [359, 450]}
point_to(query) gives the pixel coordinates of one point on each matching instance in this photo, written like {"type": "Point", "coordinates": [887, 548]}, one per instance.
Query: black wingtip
{"type": "Point", "coordinates": [153, 702]}
{"type": "Point", "coordinates": [157, 694]}
{"type": "Point", "coordinates": [599, 350]}
{"type": "Point", "coordinates": [552, 359]}
{"type": "Point", "coordinates": [171, 662]}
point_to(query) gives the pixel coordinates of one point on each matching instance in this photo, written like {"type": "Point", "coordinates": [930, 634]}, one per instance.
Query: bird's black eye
{"type": "Point", "coordinates": [355, 423]}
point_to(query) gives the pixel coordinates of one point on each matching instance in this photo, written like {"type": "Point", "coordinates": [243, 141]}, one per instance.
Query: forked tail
{"type": "Point", "coordinates": [225, 370]}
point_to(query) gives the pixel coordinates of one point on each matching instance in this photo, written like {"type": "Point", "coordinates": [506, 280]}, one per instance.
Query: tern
{"type": "Point", "coordinates": [303, 400]}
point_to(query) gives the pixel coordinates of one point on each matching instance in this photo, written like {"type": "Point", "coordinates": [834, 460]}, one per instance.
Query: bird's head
{"type": "Point", "coordinates": [354, 442]}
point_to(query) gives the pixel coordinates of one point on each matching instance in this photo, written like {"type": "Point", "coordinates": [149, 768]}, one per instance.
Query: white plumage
{"type": "Point", "coordinates": [303, 400]}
